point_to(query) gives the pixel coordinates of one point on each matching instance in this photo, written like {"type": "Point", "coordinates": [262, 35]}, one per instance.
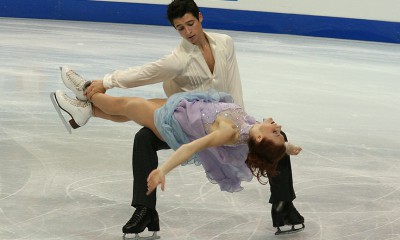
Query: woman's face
{"type": "Point", "coordinates": [189, 27]}
{"type": "Point", "coordinates": [270, 130]}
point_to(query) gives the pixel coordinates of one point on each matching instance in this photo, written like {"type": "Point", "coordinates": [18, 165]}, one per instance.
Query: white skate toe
{"type": "Point", "coordinates": [80, 111]}
{"type": "Point", "coordinates": [74, 82]}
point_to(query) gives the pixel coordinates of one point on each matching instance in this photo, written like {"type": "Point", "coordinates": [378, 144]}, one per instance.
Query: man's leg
{"type": "Point", "coordinates": [282, 184]}
{"type": "Point", "coordinates": [144, 160]}
{"type": "Point", "coordinates": [282, 194]}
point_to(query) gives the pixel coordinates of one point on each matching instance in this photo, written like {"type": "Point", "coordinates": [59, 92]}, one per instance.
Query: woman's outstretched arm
{"type": "Point", "coordinates": [224, 134]}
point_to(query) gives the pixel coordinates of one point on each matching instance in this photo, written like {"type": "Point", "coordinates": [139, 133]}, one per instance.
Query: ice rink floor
{"type": "Point", "coordinates": [338, 99]}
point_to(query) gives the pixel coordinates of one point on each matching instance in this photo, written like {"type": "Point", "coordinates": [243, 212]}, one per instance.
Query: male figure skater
{"type": "Point", "coordinates": [202, 60]}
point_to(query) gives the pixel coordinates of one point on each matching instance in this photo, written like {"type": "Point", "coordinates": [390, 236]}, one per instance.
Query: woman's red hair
{"type": "Point", "coordinates": [263, 158]}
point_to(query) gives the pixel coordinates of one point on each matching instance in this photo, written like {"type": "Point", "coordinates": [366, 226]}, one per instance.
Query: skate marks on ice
{"type": "Point", "coordinates": [350, 207]}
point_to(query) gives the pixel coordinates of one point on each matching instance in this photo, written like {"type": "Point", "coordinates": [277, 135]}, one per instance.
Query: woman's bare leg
{"type": "Point", "coordinates": [97, 112]}
{"type": "Point", "coordinates": [136, 109]}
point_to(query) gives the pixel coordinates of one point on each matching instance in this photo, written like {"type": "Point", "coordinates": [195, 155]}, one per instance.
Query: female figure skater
{"type": "Point", "coordinates": [205, 128]}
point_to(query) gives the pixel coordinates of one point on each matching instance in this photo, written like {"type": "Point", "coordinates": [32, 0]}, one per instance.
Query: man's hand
{"type": "Point", "coordinates": [155, 178]}
{"type": "Point", "coordinates": [95, 87]}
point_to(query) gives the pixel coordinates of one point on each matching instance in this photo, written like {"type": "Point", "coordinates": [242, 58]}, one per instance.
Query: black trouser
{"type": "Point", "coordinates": [145, 159]}
{"type": "Point", "coordinates": [282, 184]}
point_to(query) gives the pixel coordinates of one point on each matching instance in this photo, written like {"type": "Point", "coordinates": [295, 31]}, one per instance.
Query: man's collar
{"type": "Point", "coordinates": [189, 46]}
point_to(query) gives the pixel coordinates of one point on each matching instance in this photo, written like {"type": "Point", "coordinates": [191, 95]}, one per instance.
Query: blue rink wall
{"type": "Point", "coordinates": [215, 18]}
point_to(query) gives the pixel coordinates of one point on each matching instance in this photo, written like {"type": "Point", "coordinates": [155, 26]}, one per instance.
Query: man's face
{"type": "Point", "coordinates": [189, 27]}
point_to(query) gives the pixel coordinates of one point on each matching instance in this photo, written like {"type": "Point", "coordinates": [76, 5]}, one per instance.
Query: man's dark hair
{"type": "Point", "coordinates": [178, 8]}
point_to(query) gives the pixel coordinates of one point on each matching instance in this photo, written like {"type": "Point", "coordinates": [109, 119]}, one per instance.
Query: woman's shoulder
{"type": "Point", "coordinates": [228, 128]}
{"type": "Point", "coordinates": [225, 124]}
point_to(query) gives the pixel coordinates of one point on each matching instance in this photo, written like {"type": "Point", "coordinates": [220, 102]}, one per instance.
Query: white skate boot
{"type": "Point", "coordinates": [74, 82]}
{"type": "Point", "coordinates": [80, 111]}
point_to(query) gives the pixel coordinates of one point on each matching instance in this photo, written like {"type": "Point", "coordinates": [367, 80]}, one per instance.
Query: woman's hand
{"type": "Point", "coordinates": [292, 149]}
{"type": "Point", "coordinates": [155, 178]}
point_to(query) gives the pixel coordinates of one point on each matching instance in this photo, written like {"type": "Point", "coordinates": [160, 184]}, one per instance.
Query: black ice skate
{"type": "Point", "coordinates": [80, 111]}
{"type": "Point", "coordinates": [285, 214]}
{"type": "Point", "coordinates": [142, 217]}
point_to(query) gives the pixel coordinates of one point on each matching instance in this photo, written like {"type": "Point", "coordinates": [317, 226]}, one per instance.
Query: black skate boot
{"type": "Point", "coordinates": [285, 214]}
{"type": "Point", "coordinates": [142, 217]}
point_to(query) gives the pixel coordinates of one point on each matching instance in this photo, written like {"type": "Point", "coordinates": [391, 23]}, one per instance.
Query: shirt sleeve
{"type": "Point", "coordinates": [234, 84]}
{"type": "Point", "coordinates": [161, 70]}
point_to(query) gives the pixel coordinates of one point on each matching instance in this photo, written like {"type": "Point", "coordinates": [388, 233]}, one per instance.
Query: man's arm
{"type": "Point", "coordinates": [167, 67]}
{"type": "Point", "coordinates": [161, 70]}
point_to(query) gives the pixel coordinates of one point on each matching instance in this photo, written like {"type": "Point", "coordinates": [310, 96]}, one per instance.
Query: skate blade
{"type": "Point", "coordinates": [137, 237]}
{"type": "Point", "coordinates": [290, 231]}
{"type": "Point", "coordinates": [58, 109]}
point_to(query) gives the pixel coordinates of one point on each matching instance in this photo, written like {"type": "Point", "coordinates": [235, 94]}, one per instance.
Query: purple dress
{"type": "Point", "coordinates": [189, 116]}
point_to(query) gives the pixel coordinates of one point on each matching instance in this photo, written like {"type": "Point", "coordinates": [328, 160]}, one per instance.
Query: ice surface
{"type": "Point", "coordinates": [338, 99]}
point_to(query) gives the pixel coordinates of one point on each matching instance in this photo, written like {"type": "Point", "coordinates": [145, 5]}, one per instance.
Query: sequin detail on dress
{"type": "Point", "coordinates": [232, 112]}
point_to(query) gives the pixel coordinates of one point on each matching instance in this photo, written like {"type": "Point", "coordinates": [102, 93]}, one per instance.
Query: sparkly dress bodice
{"type": "Point", "coordinates": [232, 112]}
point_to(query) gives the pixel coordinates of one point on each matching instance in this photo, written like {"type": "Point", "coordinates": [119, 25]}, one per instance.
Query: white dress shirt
{"type": "Point", "coordinates": [185, 69]}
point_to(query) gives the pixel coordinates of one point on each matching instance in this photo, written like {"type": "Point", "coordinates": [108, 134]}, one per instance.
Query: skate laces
{"type": "Point", "coordinates": [75, 102]}
{"type": "Point", "coordinates": [78, 81]}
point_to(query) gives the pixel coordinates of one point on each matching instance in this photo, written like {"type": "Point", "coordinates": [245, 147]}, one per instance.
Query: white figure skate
{"type": "Point", "coordinates": [80, 111]}
{"type": "Point", "coordinates": [74, 82]}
